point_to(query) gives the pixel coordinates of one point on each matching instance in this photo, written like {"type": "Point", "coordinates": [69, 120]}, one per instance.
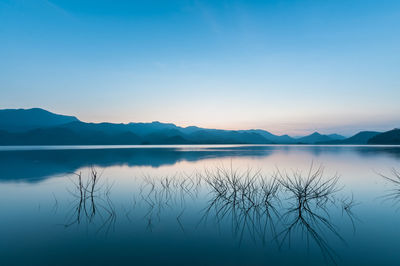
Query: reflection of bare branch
{"type": "Point", "coordinates": [165, 193]}
{"type": "Point", "coordinates": [253, 203]}
{"type": "Point", "coordinates": [91, 200]}
{"type": "Point", "coordinates": [394, 193]}
{"type": "Point", "coordinates": [255, 206]}
{"type": "Point", "coordinates": [347, 207]}
{"type": "Point", "coordinates": [310, 198]}
{"type": "Point", "coordinates": [55, 206]}
{"type": "Point", "coordinates": [247, 198]}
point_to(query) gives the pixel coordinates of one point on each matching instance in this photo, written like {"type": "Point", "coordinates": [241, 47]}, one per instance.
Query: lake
{"type": "Point", "coordinates": [200, 205]}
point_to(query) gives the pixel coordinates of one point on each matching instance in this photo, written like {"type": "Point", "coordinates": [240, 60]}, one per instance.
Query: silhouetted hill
{"type": "Point", "coordinates": [65, 136]}
{"type": "Point", "coordinates": [143, 129]}
{"type": "Point", "coordinates": [40, 127]}
{"type": "Point", "coordinates": [283, 139]}
{"type": "Point", "coordinates": [19, 120]}
{"type": "Point", "coordinates": [226, 137]}
{"type": "Point", "coordinates": [336, 136]}
{"type": "Point", "coordinates": [314, 138]}
{"type": "Point", "coordinates": [389, 137]}
{"type": "Point", "coordinates": [168, 136]}
{"type": "Point", "coordinates": [358, 139]}
{"type": "Point", "coordinates": [167, 133]}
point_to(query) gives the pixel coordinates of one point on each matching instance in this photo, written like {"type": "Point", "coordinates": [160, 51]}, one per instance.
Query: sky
{"type": "Point", "coordinates": [285, 66]}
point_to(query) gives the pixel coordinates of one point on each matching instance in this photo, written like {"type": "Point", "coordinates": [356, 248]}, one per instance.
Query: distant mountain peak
{"type": "Point", "coordinates": [27, 119]}
{"type": "Point", "coordinates": [314, 138]}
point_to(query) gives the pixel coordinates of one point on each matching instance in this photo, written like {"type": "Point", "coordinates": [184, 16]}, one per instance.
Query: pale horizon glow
{"type": "Point", "coordinates": [289, 67]}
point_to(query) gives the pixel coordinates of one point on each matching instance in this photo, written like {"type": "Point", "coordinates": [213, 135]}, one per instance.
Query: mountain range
{"type": "Point", "coordinates": [40, 127]}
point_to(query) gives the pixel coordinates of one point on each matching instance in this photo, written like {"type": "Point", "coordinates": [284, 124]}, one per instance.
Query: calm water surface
{"type": "Point", "coordinates": [199, 205]}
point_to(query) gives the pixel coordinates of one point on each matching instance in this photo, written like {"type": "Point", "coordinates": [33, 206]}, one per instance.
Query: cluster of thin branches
{"type": "Point", "coordinates": [310, 198]}
{"type": "Point", "coordinates": [293, 203]}
{"type": "Point", "coordinates": [248, 198]}
{"type": "Point", "coordinates": [90, 200]}
{"type": "Point", "coordinates": [256, 205]}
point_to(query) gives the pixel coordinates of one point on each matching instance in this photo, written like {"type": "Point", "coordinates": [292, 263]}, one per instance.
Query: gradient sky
{"type": "Point", "coordinates": [284, 66]}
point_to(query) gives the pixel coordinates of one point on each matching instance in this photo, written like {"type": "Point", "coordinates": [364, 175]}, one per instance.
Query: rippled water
{"type": "Point", "coordinates": [199, 205]}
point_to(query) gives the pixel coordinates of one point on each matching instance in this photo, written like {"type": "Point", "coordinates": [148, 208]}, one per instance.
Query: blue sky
{"type": "Point", "coordinates": [285, 66]}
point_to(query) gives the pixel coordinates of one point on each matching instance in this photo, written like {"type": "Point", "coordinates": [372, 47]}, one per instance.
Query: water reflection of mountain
{"type": "Point", "coordinates": [34, 165]}
{"type": "Point", "coordinates": [30, 165]}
